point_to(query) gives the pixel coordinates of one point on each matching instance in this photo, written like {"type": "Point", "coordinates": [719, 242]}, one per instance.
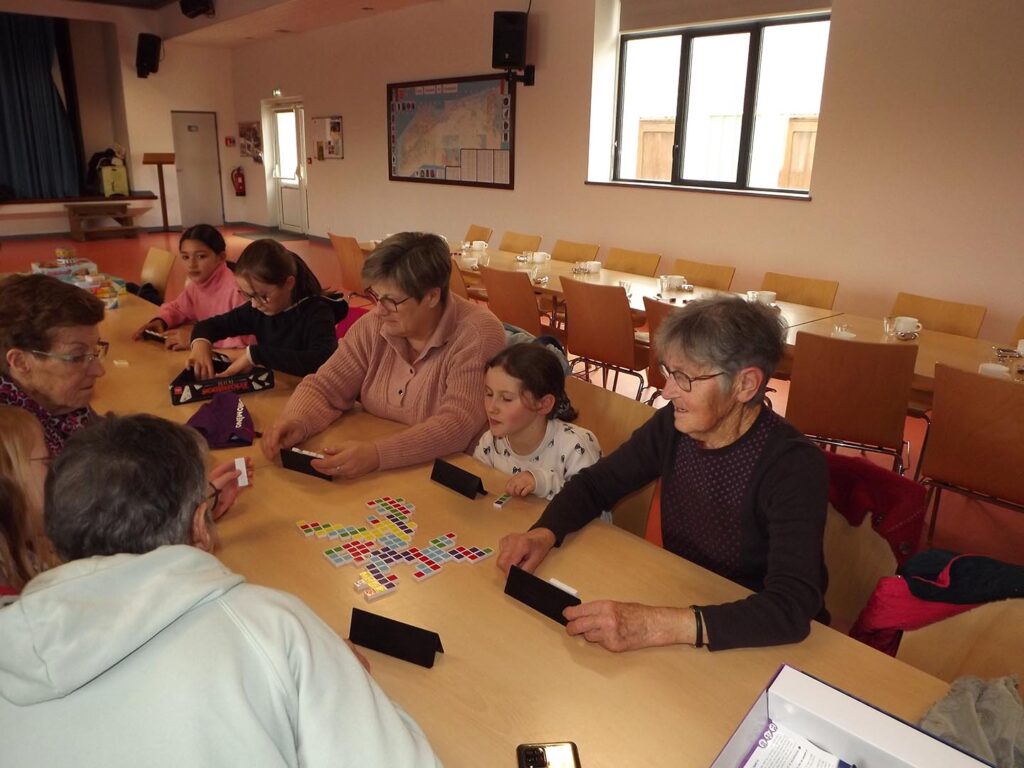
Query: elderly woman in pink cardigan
{"type": "Point", "coordinates": [417, 358]}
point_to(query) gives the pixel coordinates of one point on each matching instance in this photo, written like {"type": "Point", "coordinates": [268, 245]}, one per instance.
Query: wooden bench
{"type": "Point", "coordinates": [89, 221]}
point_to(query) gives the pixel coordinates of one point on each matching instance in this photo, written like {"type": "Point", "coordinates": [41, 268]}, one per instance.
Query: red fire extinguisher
{"type": "Point", "coordinates": [238, 181]}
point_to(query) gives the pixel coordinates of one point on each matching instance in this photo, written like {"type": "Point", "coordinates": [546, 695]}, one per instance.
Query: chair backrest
{"type": "Point", "coordinates": [456, 281]}
{"type": "Point", "coordinates": [517, 242]}
{"type": "Point", "coordinates": [613, 418]}
{"type": "Point", "coordinates": [1019, 333]}
{"type": "Point", "coordinates": [985, 641]}
{"type": "Point", "coordinates": [476, 232]}
{"type": "Point", "coordinates": [598, 323]}
{"type": "Point", "coordinates": [809, 291]}
{"type": "Point", "coordinates": [656, 311]}
{"type": "Point", "coordinates": [941, 315]}
{"type": "Point", "coordinates": [717, 276]}
{"type": "Point", "coordinates": [156, 269]}
{"type": "Point", "coordinates": [567, 250]}
{"type": "Point", "coordinates": [510, 296]}
{"type": "Point", "coordinates": [976, 438]}
{"type": "Point", "coordinates": [634, 262]}
{"type": "Point", "coordinates": [350, 259]}
{"type": "Point", "coordinates": [850, 390]}
{"type": "Point", "coordinates": [856, 558]}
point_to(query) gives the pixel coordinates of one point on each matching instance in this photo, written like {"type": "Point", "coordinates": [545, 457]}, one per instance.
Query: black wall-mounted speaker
{"type": "Point", "coordinates": [509, 48]}
{"type": "Point", "coordinates": [147, 54]}
{"type": "Point", "coordinates": [193, 8]}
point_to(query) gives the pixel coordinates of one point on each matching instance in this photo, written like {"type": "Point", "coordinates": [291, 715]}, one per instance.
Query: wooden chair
{"type": "Point", "coordinates": [516, 242]}
{"type": "Point", "coordinates": [808, 291]}
{"type": "Point", "coordinates": [716, 276]}
{"type": "Point", "coordinates": [634, 262]}
{"type": "Point", "coordinates": [567, 250]}
{"type": "Point", "coordinates": [156, 269]}
{"type": "Point", "coordinates": [975, 441]}
{"type": "Point", "coordinates": [350, 259]}
{"type": "Point", "coordinates": [456, 281]}
{"type": "Point", "coordinates": [851, 393]}
{"type": "Point", "coordinates": [511, 298]}
{"type": "Point", "coordinates": [600, 330]}
{"type": "Point", "coordinates": [984, 641]}
{"type": "Point", "coordinates": [656, 311]}
{"type": "Point", "coordinates": [856, 558]}
{"type": "Point", "coordinates": [613, 418]}
{"type": "Point", "coordinates": [940, 315]}
{"type": "Point", "coordinates": [476, 232]}
{"type": "Point", "coordinates": [1019, 333]}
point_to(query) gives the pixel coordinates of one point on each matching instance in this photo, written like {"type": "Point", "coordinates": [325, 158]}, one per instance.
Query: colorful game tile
{"type": "Point", "coordinates": [374, 587]}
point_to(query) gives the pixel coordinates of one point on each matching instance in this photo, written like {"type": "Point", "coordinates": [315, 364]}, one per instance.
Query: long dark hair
{"type": "Point", "coordinates": [540, 372]}
{"type": "Point", "coordinates": [270, 262]}
{"type": "Point", "coordinates": [205, 234]}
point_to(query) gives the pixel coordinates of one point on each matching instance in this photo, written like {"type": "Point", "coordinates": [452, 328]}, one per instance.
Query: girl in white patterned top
{"type": "Point", "coordinates": [527, 412]}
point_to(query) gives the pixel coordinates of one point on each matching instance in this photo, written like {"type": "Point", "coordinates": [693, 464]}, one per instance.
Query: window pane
{"type": "Point", "coordinates": [287, 145]}
{"type": "Point", "coordinates": [788, 100]}
{"type": "Point", "coordinates": [650, 91]}
{"type": "Point", "coordinates": [714, 107]}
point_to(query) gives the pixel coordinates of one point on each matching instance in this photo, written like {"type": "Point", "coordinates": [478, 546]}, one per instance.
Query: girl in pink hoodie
{"type": "Point", "coordinates": [211, 290]}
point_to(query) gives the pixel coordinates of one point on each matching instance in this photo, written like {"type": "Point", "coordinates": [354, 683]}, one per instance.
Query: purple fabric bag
{"type": "Point", "coordinates": [224, 422]}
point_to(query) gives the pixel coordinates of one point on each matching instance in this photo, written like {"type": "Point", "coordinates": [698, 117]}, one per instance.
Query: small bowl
{"type": "Point", "coordinates": [911, 336]}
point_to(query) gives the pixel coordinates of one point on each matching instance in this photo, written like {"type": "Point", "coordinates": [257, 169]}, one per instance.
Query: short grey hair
{"type": "Point", "coordinates": [125, 484]}
{"type": "Point", "coordinates": [414, 261]}
{"type": "Point", "coordinates": [728, 333]}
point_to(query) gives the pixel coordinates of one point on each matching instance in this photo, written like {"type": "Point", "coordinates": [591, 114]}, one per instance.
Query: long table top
{"type": "Point", "coordinates": [508, 675]}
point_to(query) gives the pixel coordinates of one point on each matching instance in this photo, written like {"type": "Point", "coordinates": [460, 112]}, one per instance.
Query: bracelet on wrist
{"type": "Point", "coordinates": [698, 618]}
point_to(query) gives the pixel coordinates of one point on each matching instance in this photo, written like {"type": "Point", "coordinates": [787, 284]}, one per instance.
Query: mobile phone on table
{"type": "Point", "coordinates": [153, 336]}
{"type": "Point", "coordinates": [556, 754]}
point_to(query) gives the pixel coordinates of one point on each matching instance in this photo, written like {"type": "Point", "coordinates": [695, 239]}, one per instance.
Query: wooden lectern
{"type": "Point", "coordinates": [160, 159]}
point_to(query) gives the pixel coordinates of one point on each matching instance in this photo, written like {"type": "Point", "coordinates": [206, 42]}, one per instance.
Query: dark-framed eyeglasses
{"type": "Point", "coordinates": [684, 380]}
{"type": "Point", "coordinates": [86, 358]}
{"type": "Point", "coordinates": [389, 303]}
{"type": "Point", "coordinates": [259, 298]}
{"type": "Point", "coordinates": [213, 497]}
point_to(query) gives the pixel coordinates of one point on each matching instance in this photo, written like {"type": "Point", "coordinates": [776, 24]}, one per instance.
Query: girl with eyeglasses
{"type": "Point", "coordinates": [210, 290]}
{"type": "Point", "coordinates": [285, 310]}
{"type": "Point", "coordinates": [24, 461]}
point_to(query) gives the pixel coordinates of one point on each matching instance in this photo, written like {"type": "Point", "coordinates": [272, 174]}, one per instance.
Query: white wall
{"type": "Point", "coordinates": [918, 170]}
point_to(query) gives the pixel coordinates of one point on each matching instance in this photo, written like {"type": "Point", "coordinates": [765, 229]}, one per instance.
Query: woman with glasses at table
{"type": "Point", "coordinates": [50, 352]}
{"type": "Point", "coordinates": [286, 310]}
{"type": "Point", "coordinates": [417, 358]}
{"type": "Point", "coordinates": [743, 493]}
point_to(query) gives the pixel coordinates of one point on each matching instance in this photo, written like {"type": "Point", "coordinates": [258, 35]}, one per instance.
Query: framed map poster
{"type": "Point", "coordinates": [459, 130]}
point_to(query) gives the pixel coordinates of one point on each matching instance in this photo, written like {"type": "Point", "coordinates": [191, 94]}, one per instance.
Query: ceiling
{"type": "Point", "coordinates": [238, 22]}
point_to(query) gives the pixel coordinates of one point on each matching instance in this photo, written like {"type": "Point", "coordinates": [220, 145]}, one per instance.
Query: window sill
{"type": "Point", "coordinates": [764, 193]}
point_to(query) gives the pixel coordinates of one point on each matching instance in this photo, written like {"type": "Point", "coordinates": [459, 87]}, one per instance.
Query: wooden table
{"type": "Point", "coordinates": [640, 285]}
{"type": "Point", "coordinates": [508, 675]}
{"type": "Point", "coordinates": [932, 347]}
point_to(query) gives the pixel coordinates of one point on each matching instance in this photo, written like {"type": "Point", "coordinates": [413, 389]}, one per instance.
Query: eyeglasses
{"type": "Point", "coordinates": [259, 298]}
{"type": "Point", "coordinates": [85, 358]}
{"type": "Point", "coordinates": [213, 498]}
{"type": "Point", "coordinates": [683, 380]}
{"type": "Point", "coordinates": [390, 304]}
{"type": "Point", "coordinates": [47, 460]}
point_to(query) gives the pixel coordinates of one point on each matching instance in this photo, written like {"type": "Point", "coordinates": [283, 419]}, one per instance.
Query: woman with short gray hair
{"type": "Point", "coordinates": [743, 493]}
{"type": "Point", "coordinates": [417, 358]}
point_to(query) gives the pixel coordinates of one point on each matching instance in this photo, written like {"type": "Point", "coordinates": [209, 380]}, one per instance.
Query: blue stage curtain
{"type": "Point", "coordinates": [37, 151]}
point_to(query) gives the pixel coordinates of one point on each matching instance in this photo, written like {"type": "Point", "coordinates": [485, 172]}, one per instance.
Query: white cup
{"type": "Point", "coordinates": [539, 257]}
{"type": "Point", "coordinates": [470, 262]}
{"type": "Point", "coordinates": [593, 267]}
{"type": "Point", "coordinates": [766, 297]}
{"type": "Point", "coordinates": [1020, 347]}
{"type": "Point", "coordinates": [995, 370]}
{"type": "Point", "coordinates": [907, 325]}
{"type": "Point", "coordinates": [479, 245]}
{"type": "Point", "coordinates": [752, 296]}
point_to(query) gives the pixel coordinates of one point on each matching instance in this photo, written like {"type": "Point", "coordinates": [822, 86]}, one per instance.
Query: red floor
{"type": "Point", "coordinates": [964, 526]}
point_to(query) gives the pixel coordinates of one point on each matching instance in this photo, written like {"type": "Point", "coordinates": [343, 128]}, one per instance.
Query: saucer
{"type": "Point", "coordinates": [911, 336]}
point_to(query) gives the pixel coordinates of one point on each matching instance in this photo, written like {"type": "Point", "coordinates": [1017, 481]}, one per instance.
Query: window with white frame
{"type": "Point", "coordinates": [728, 106]}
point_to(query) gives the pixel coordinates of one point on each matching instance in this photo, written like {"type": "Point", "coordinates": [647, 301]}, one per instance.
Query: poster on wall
{"type": "Point", "coordinates": [328, 138]}
{"type": "Point", "coordinates": [251, 141]}
{"type": "Point", "coordinates": [459, 130]}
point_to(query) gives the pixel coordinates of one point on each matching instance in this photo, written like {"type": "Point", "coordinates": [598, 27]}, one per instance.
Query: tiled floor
{"type": "Point", "coordinates": [964, 525]}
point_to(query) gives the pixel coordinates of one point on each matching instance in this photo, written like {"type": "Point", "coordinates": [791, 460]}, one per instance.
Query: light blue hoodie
{"type": "Point", "coordinates": [170, 659]}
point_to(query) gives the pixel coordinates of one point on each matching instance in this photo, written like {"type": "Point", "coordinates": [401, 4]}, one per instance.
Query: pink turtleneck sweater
{"type": "Point", "coordinates": [198, 301]}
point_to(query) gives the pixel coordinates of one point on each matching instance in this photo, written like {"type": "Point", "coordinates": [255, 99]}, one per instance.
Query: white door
{"type": "Point", "coordinates": [197, 163]}
{"type": "Point", "coordinates": [290, 167]}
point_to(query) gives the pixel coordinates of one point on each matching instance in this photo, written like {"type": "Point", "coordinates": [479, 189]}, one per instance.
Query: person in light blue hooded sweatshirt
{"type": "Point", "coordinates": [143, 649]}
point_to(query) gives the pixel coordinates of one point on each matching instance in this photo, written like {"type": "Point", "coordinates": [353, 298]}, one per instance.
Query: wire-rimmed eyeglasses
{"type": "Point", "coordinates": [84, 358]}
{"type": "Point", "coordinates": [684, 380]}
{"type": "Point", "coordinates": [389, 303]}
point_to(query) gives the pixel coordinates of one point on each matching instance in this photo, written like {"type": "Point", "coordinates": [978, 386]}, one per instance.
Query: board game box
{"type": "Point", "coordinates": [187, 389]}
